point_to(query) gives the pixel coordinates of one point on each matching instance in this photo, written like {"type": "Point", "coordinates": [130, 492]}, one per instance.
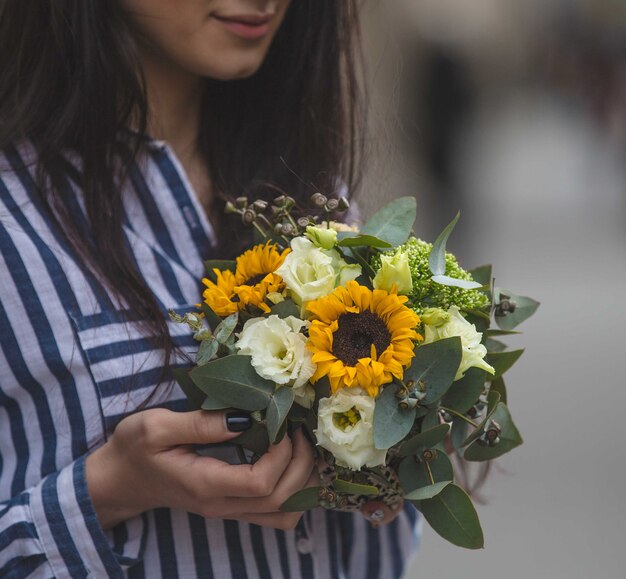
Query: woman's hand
{"type": "Point", "coordinates": [378, 513]}
{"type": "Point", "coordinates": [149, 463]}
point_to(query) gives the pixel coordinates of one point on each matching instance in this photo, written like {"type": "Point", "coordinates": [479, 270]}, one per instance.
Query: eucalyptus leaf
{"type": "Point", "coordinates": [344, 486]}
{"type": "Point", "coordinates": [437, 258]}
{"type": "Point", "coordinates": [364, 241]}
{"type": "Point", "coordinates": [458, 434]}
{"type": "Point", "coordinates": [220, 264]}
{"type": "Point", "coordinates": [509, 438]}
{"type": "Point", "coordinates": [452, 515]}
{"type": "Point", "coordinates": [391, 423]}
{"type": "Point", "coordinates": [423, 440]}
{"type": "Point", "coordinates": [207, 350]}
{"type": "Point", "coordinates": [502, 361]}
{"type": "Point", "coordinates": [524, 308]}
{"type": "Point", "coordinates": [414, 475]}
{"type": "Point", "coordinates": [234, 382]}
{"type": "Point", "coordinates": [285, 309]}
{"type": "Point", "coordinates": [494, 333]}
{"type": "Point", "coordinates": [394, 222]}
{"type": "Point", "coordinates": [225, 330]}
{"type": "Point", "coordinates": [195, 396]}
{"type": "Point", "coordinates": [482, 275]}
{"type": "Point", "coordinates": [303, 500]}
{"type": "Point", "coordinates": [277, 410]}
{"type": "Point", "coordinates": [210, 404]}
{"type": "Point", "coordinates": [431, 420]}
{"type": "Point", "coordinates": [427, 492]}
{"type": "Point", "coordinates": [495, 346]}
{"type": "Point", "coordinates": [499, 386]}
{"type": "Point", "coordinates": [464, 393]}
{"type": "Point", "coordinates": [255, 438]}
{"type": "Point", "coordinates": [454, 282]}
{"type": "Point", "coordinates": [434, 367]}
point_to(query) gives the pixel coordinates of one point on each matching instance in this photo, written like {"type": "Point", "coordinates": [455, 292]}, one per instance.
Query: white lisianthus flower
{"type": "Point", "coordinates": [345, 427]}
{"type": "Point", "coordinates": [311, 272]}
{"type": "Point", "coordinates": [450, 324]}
{"type": "Point", "coordinates": [394, 270]}
{"type": "Point", "coordinates": [323, 237]}
{"type": "Point", "coordinates": [279, 353]}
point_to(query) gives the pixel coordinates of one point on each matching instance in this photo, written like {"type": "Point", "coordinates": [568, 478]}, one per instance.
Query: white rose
{"type": "Point", "coordinates": [456, 325]}
{"type": "Point", "coordinates": [279, 353]}
{"type": "Point", "coordinates": [311, 272]}
{"type": "Point", "coordinates": [345, 427]}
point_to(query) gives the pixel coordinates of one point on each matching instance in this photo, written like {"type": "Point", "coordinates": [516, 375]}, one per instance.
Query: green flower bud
{"type": "Point", "coordinates": [394, 271]}
{"type": "Point", "coordinates": [435, 317]}
{"type": "Point", "coordinates": [322, 237]}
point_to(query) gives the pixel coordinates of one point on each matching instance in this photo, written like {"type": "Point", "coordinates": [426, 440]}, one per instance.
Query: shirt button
{"type": "Point", "coordinates": [304, 545]}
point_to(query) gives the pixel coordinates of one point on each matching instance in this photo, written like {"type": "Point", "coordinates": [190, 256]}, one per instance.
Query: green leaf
{"type": "Point", "coordinates": [434, 367]}
{"type": "Point", "coordinates": [285, 309]}
{"type": "Point", "coordinates": [279, 406]}
{"type": "Point", "coordinates": [499, 386]}
{"type": "Point", "coordinates": [452, 515]}
{"type": "Point", "coordinates": [221, 264]}
{"type": "Point", "coordinates": [502, 361]}
{"type": "Point", "coordinates": [458, 434]}
{"type": "Point", "coordinates": [234, 382]}
{"type": "Point", "coordinates": [344, 486]}
{"type": "Point", "coordinates": [427, 492]}
{"type": "Point", "coordinates": [495, 346]}
{"type": "Point", "coordinates": [431, 420]}
{"type": "Point", "coordinates": [509, 438]}
{"type": "Point", "coordinates": [423, 440]}
{"type": "Point", "coordinates": [365, 241]}
{"type": "Point", "coordinates": [482, 275]}
{"type": "Point", "coordinates": [210, 404]}
{"type": "Point", "coordinates": [464, 393]}
{"type": "Point", "coordinates": [437, 258]}
{"type": "Point", "coordinates": [207, 350]}
{"type": "Point", "coordinates": [394, 222]}
{"type": "Point", "coordinates": [524, 308]}
{"type": "Point", "coordinates": [391, 423]}
{"type": "Point", "coordinates": [414, 475]}
{"type": "Point", "coordinates": [454, 282]}
{"type": "Point", "coordinates": [225, 330]}
{"type": "Point", "coordinates": [255, 438]}
{"type": "Point", "coordinates": [195, 396]}
{"type": "Point", "coordinates": [495, 333]}
{"type": "Point", "coordinates": [303, 500]}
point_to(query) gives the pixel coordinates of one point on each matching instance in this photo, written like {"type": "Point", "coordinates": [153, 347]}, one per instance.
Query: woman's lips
{"type": "Point", "coordinates": [250, 26]}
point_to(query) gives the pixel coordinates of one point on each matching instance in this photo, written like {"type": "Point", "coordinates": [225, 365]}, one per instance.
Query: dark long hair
{"type": "Point", "coordinates": [71, 81]}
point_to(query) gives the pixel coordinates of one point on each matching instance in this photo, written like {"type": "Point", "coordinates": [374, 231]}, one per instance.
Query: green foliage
{"type": "Point", "coordinates": [348, 487]}
{"type": "Point", "coordinates": [391, 423]}
{"type": "Point", "coordinates": [394, 222]}
{"type": "Point", "coordinates": [423, 440]}
{"type": "Point", "coordinates": [452, 515]}
{"type": "Point", "coordinates": [303, 500]}
{"type": "Point", "coordinates": [220, 264]}
{"type": "Point", "coordinates": [277, 410]}
{"type": "Point", "coordinates": [509, 438]}
{"type": "Point", "coordinates": [285, 309]}
{"type": "Point", "coordinates": [427, 492]}
{"type": "Point", "coordinates": [434, 366]}
{"type": "Point", "coordinates": [524, 308]}
{"type": "Point", "coordinates": [359, 240]}
{"type": "Point", "coordinates": [414, 475]}
{"type": "Point", "coordinates": [195, 396]}
{"type": "Point", "coordinates": [502, 361]}
{"type": "Point", "coordinates": [233, 382]}
{"type": "Point", "coordinates": [464, 393]}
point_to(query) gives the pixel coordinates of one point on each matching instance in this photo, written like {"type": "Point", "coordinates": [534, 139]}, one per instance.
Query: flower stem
{"type": "Point", "coordinates": [459, 415]}
{"type": "Point", "coordinates": [430, 473]}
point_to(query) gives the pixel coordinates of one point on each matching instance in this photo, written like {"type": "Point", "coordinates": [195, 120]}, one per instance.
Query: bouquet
{"type": "Point", "coordinates": [375, 342]}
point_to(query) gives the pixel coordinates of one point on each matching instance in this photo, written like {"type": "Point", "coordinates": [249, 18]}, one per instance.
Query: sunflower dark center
{"type": "Point", "coordinates": [255, 279]}
{"type": "Point", "coordinates": [355, 335]}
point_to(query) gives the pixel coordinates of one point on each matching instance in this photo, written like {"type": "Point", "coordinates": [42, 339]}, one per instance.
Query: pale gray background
{"type": "Point", "coordinates": [540, 176]}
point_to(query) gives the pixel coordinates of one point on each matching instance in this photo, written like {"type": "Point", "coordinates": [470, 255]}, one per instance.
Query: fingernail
{"type": "Point", "coordinates": [376, 516]}
{"type": "Point", "coordinates": [238, 421]}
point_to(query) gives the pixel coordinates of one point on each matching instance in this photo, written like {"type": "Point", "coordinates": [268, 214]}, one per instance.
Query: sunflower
{"type": "Point", "coordinates": [361, 337]}
{"type": "Point", "coordinates": [250, 283]}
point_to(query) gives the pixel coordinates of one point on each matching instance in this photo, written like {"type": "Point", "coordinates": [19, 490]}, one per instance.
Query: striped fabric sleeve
{"type": "Point", "coordinates": [52, 530]}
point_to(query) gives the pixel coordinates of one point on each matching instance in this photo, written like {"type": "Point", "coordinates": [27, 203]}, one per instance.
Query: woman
{"type": "Point", "coordinates": [102, 229]}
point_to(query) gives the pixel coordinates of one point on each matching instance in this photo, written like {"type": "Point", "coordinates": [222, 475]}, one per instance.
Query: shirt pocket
{"type": "Point", "coordinates": [127, 367]}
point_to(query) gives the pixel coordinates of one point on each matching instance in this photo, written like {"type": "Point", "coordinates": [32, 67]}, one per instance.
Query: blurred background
{"type": "Point", "coordinates": [514, 112]}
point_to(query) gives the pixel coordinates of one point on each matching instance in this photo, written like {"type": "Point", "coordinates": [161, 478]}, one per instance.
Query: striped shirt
{"type": "Point", "coordinates": [72, 365]}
